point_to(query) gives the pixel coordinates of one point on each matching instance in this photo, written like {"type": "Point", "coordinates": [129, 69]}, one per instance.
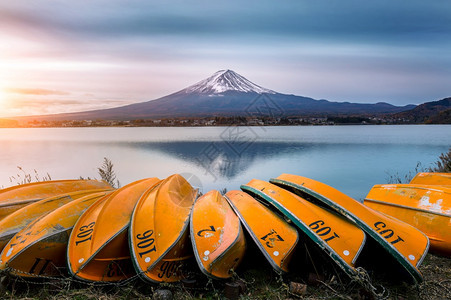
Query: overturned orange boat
{"type": "Point", "coordinates": [425, 207]}
{"type": "Point", "coordinates": [98, 245]}
{"type": "Point", "coordinates": [336, 236]}
{"type": "Point", "coordinates": [40, 248]}
{"type": "Point", "coordinates": [274, 236]}
{"type": "Point", "coordinates": [402, 241]}
{"type": "Point", "coordinates": [217, 237]}
{"type": "Point", "coordinates": [432, 178]}
{"type": "Point", "coordinates": [14, 198]}
{"type": "Point", "coordinates": [158, 235]}
{"type": "Point", "coordinates": [17, 220]}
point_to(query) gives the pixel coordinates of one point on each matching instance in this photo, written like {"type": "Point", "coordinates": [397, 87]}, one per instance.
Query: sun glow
{"type": "Point", "coordinates": [2, 97]}
{"type": "Point", "coordinates": [3, 93]}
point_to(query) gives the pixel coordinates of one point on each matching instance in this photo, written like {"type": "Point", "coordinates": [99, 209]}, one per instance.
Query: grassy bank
{"type": "Point", "coordinates": [258, 282]}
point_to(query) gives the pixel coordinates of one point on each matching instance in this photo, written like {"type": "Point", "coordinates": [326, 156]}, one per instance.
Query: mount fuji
{"type": "Point", "coordinates": [223, 81]}
{"type": "Point", "coordinates": [227, 93]}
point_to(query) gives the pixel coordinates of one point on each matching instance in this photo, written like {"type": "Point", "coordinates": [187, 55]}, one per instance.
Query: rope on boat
{"type": "Point", "coordinates": [363, 278]}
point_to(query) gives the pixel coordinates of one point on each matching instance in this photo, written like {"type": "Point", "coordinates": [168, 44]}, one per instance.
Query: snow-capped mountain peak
{"type": "Point", "coordinates": [226, 80]}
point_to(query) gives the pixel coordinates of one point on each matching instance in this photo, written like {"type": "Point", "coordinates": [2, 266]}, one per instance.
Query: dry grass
{"type": "Point", "coordinates": [23, 177]}
{"type": "Point", "coordinates": [108, 174]}
{"type": "Point", "coordinates": [260, 283]}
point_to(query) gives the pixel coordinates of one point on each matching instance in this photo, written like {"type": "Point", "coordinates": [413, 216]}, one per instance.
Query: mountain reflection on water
{"type": "Point", "coordinates": [351, 168]}
{"type": "Point", "coordinates": [223, 159]}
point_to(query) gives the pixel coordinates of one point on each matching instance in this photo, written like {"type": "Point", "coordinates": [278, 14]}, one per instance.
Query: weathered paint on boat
{"type": "Point", "coordinates": [404, 242]}
{"type": "Point", "coordinates": [98, 246]}
{"type": "Point", "coordinates": [17, 220]}
{"type": "Point", "coordinates": [158, 235]}
{"type": "Point", "coordinates": [217, 237]}
{"type": "Point", "coordinates": [432, 178]}
{"type": "Point", "coordinates": [339, 238]}
{"type": "Point", "coordinates": [427, 208]}
{"type": "Point", "coordinates": [16, 197]}
{"type": "Point", "coordinates": [273, 235]}
{"type": "Point", "coordinates": [40, 248]}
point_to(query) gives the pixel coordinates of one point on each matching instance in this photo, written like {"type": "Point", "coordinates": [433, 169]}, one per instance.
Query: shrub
{"type": "Point", "coordinates": [443, 164]}
{"type": "Point", "coordinates": [107, 173]}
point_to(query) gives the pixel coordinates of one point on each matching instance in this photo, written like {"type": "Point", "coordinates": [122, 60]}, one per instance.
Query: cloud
{"type": "Point", "coordinates": [55, 103]}
{"type": "Point", "coordinates": [147, 49]}
{"type": "Point", "coordinates": [40, 92]}
{"type": "Point", "coordinates": [39, 106]}
{"type": "Point", "coordinates": [382, 21]}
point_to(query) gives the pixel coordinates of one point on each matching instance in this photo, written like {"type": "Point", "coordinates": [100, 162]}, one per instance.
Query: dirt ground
{"type": "Point", "coordinates": [253, 283]}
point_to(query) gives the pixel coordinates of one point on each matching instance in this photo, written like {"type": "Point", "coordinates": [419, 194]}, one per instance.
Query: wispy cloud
{"type": "Point", "coordinates": [42, 92]}
{"type": "Point", "coordinates": [41, 106]}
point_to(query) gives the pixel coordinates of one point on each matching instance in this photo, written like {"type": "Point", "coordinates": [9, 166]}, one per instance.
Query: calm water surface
{"type": "Point", "coordinates": [350, 158]}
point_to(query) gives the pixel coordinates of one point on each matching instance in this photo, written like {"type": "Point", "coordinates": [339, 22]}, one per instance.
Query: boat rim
{"type": "Point", "coordinates": [408, 207]}
{"type": "Point", "coordinates": [19, 202]}
{"type": "Point", "coordinates": [7, 189]}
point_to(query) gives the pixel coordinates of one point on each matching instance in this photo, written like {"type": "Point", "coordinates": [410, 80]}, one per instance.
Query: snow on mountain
{"type": "Point", "coordinates": [225, 80]}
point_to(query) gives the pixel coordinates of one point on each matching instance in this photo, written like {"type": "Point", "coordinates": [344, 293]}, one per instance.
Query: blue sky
{"type": "Point", "coordinates": [61, 56]}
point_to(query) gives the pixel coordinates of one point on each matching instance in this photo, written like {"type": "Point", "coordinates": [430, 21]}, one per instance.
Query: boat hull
{"type": "Point", "coordinates": [273, 235]}
{"type": "Point", "coordinates": [432, 179]}
{"type": "Point", "coordinates": [109, 264]}
{"type": "Point", "coordinates": [45, 258]}
{"type": "Point", "coordinates": [158, 230]}
{"type": "Point", "coordinates": [427, 208]}
{"type": "Point", "coordinates": [217, 237]}
{"type": "Point", "coordinates": [171, 267]}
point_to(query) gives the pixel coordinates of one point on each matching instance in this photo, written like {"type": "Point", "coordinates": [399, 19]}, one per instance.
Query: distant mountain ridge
{"type": "Point", "coordinates": [226, 93]}
{"type": "Point", "coordinates": [434, 112]}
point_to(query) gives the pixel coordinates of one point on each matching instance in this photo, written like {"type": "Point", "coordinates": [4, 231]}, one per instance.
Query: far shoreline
{"type": "Point", "coordinates": [196, 124]}
{"type": "Point", "coordinates": [213, 126]}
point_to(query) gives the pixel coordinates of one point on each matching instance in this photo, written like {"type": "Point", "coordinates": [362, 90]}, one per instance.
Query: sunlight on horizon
{"type": "Point", "coordinates": [3, 100]}
{"type": "Point", "coordinates": [3, 93]}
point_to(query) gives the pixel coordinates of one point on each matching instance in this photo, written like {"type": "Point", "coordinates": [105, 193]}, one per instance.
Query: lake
{"type": "Point", "coordinates": [349, 158]}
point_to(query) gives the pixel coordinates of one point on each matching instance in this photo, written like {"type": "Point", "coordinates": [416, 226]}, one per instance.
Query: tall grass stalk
{"type": "Point", "coordinates": [24, 177]}
{"type": "Point", "coordinates": [107, 173]}
{"type": "Point", "coordinates": [397, 178]}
